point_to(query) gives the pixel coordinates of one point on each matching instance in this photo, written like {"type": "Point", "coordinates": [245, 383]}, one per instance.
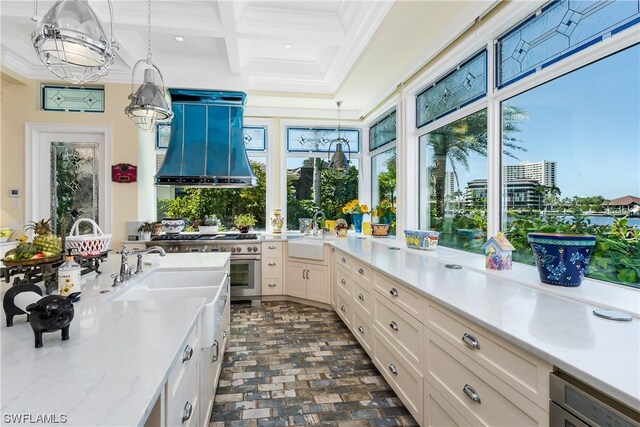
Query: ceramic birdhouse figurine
{"type": "Point", "coordinates": [498, 253]}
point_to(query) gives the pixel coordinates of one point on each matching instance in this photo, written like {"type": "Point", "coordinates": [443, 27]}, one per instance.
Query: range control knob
{"type": "Point", "coordinates": [255, 249]}
{"type": "Point", "coordinates": [239, 249]}
{"type": "Point", "coordinates": [250, 249]}
{"type": "Point", "coordinates": [233, 249]}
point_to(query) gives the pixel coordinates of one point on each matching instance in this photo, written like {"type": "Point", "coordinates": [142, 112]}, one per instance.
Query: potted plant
{"type": "Point", "coordinates": [385, 212]}
{"type": "Point", "coordinates": [244, 222]}
{"type": "Point", "coordinates": [357, 211]}
{"type": "Point", "coordinates": [209, 225]}
{"type": "Point", "coordinates": [145, 230]}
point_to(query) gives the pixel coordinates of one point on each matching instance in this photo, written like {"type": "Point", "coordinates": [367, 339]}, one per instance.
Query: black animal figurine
{"type": "Point", "coordinates": [8, 303]}
{"type": "Point", "coordinates": [51, 313]}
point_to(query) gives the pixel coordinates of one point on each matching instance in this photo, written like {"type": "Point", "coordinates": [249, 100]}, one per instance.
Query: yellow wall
{"type": "Point", "coordinates": [20, 104]}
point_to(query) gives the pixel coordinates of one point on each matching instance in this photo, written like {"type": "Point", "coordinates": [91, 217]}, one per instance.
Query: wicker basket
{"type": "Point", "coordinates": [87, 244]}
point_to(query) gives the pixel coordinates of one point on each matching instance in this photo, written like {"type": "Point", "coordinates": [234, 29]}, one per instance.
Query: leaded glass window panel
{"type": "Point", "coordinates": [383, 132]}
{"type": "Point", "coordinates": [162, 135]}
{"type": "Point", "coordinates": [74, 182]}
{"type": "Point", "coordinates": [309, 140]}
{"type": "Point", "coordinates": [255, 138]}
{"type": "Point", "coordinates": [460, 87]}
{"type": "Point", "coordinates": [65, 98]}
{"type": "Point", "coordinates": [560, 29]}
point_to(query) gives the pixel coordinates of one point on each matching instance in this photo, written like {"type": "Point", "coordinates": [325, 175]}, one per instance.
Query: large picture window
{"type": "Point", "coordinates": [579, 172]}
{"type": "Point", "coordinates": [453, 182]}
{"type": "Point", "coordinates": [383, 179]}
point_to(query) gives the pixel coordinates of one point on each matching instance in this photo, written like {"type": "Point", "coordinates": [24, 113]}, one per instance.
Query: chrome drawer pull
{"type": "Point", "coordinates": [272, 247]}
{"type": "Point", "coordinates": [272, 264]}
{"type": "Point", "coordinates": [217, 353]}
{"type": "Point", "coordinates": [393, 325]}
{"type": "Point", "coordinates": [333, 249]}
{"type": "Point", "coordinates": [393, 369]}
{"type": "Point", "coordinates": [471, 392]}
{"type": "Point", "coordinates": [361, 329]}
{"type": "Point", "coordinates": [344, 260]}
{"type": "Point", "coordinates": [361, 271]}
{"type": "Point", "coordinates": [343, 309]}
{"type": "Point", "coordinates": [393, 292]}
{"type": "Point", "coordinates": [271, 285]}
{"type": "Point", "coordinates": [361, 297]}
{"type": "Point", "coordinates": [344, 282]}
{"type": "Point", "coordinates": [224, 334]}
{"type": "Point", "coordinates": [187, 354]}
{"type": "Point", "coordinates": [186, 412]}
{"type": "Point", "coordinates": [471, 341]}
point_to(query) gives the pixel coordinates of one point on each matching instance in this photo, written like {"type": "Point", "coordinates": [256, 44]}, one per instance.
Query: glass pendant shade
{"type": "Point", "coordinates": [149, 103]}
{"type": "Point", "coordinates": [71, 42]}
{"type": "Point", "coordinates": [339, 161]}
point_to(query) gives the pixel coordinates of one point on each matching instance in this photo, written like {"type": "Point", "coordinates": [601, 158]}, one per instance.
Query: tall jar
{"type": "Point", "coordinates": [277, 221]}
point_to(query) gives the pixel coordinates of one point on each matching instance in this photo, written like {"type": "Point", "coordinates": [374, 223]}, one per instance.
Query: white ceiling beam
{"type": "Point", "coordinates": [228, 16]}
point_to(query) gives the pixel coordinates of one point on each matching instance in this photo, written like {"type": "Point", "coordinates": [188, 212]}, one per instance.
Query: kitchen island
{"type": "Point", "coordinates": [116, 361]}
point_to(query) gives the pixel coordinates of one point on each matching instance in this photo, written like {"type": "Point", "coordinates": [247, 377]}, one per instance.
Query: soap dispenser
{"type": "Point", "coordinates": [69, 276]}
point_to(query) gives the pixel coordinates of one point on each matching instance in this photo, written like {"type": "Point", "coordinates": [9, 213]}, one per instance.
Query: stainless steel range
{"type": "Point", "coordinates": [245, 249]}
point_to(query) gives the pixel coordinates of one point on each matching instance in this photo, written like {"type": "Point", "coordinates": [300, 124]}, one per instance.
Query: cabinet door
{"type": "Point", "coordinates": [318, 283]}
{"type": "Point", "coordinates": [296, 279]}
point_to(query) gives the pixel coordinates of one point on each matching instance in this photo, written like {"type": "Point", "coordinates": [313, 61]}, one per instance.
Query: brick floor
{"type": "Point", "coordinates": [291, 364]}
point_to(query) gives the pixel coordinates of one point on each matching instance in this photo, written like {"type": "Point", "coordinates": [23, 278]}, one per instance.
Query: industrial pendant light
{"type": "Point", "coordinates": [338, 162]}
{"type": "Point", "coordinates": [71, 42]}
{"type": "Point", "coordinates": [149, 103]}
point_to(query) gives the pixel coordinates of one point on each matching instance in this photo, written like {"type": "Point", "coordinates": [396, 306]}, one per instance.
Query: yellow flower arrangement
{"type": "Point", "coordinates": [354, 207]}
{"type": "Point", "coordinates": [384, 208]}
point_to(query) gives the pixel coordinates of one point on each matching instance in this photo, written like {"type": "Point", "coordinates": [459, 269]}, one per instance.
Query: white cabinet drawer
{"type": "Point", "coordinates": [272, 268]}
{"type": "Point", "coordinates": [363, 331]}
{"type": "Point", "coordinates": [479, 396]}
{"type": "Point", "coordinates": [524, 372]}
{"type": "Point", "coordinates": [408, 300]}
{"type": "Point", "coordinates": [438, 412]}
{"type": "Point", "coordinates": [358, 268]}
{"type": "Point", "coordinates": [271, 286]}
{"type": "Point", "coordinates": [363, 298]}
{"type": "Point", "coordinates": [184, 409]}
{"type": "Point", "coordinates": [184, 365]}
{"type": "Point", "coordinates": [405, 332]}
{"type": "Point", "coordinates": [345, 283]}
{"type": "Point", "coordinates": [403, 377]}
{"type": "Point", "coordinates": [272, 249]}
{"type": "Point", "coordinates": [344, 310]}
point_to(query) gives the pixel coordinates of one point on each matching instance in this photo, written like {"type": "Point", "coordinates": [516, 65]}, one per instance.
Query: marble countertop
{"type": "Point", "coordinates": [550, 325]}
{"type": "Point", "coordinates": [116, 360]}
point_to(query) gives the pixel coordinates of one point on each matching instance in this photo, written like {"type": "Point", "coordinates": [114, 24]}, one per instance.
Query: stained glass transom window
{"type": "Point", "coordinates": [307, 140]}
{"type": "Point", "coordinates": [255, 138]}
{"type": "Point", "coordinates": [558, 30]}
{"type": "Point", "coordinates": [462, 86]}
{"type": "Point", "coordinates": [383, 132]}
{"type": "Point", "coordinates": [65, 98]}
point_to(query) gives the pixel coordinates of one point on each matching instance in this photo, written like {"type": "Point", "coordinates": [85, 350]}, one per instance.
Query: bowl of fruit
{"type": "Point", "coordinates": [5, 233]}
{"type": "Point", "coordinates": [45, 247]}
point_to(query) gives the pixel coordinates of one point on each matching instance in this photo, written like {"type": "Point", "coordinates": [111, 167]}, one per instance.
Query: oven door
{"type": "Point", "coordinates": [245, 276]}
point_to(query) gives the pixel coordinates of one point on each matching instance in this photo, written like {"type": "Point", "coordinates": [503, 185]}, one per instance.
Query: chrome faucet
{"type": "Point", "coordinates": [125, 269]}
{"type": "Point", "coordinates": [315, 223]}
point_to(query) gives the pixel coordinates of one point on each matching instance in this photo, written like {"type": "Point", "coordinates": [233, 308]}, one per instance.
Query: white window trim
{"type": "Point", "coordinates": [270, 154]}
{"type": "Point", "coordinates": [284, 154]}
{"type": "Point", "coordinates": [408, 138]}
{"type": "Point", "coordinates": [33, 148]}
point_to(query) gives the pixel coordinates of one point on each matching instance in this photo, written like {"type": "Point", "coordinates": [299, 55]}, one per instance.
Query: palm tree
{"type": "Point", "coordinates": [455, 142]}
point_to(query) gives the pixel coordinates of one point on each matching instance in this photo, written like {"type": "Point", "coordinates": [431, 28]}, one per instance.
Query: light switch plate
{"type": "Point", "coordinates": [15, 192]}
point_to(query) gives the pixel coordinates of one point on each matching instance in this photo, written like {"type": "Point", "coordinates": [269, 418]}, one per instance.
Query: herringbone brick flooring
{"type": "Point", "coordinates": [292, 364]}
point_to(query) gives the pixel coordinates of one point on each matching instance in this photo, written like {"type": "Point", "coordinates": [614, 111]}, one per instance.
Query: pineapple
{"type": "Point", "coordinates": [45, 240]}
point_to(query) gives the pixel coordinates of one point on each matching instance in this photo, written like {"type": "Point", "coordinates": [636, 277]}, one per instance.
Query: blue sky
{"type": "Point", "coordinates": [589, 122]}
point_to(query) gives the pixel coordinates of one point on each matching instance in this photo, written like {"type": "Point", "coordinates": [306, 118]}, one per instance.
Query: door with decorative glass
{"type": "Point", "coordinates": [69, 177]}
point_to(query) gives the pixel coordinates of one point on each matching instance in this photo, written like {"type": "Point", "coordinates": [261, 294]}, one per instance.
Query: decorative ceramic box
{"type": "Point", "coordinates": [498, 252]}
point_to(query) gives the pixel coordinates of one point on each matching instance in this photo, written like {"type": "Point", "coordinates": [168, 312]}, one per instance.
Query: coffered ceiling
{"type": "Point", "coordinates": [285, 54]}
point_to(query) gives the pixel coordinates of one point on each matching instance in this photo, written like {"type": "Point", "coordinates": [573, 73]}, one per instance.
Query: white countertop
{"type": "Point", "coordinates": [550, 325]}
{"type": "Point", "coordinates": [116, 360]}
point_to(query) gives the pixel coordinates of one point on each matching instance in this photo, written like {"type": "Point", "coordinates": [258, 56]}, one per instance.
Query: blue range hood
{"type": "Point", "coordinates": [206, 147]}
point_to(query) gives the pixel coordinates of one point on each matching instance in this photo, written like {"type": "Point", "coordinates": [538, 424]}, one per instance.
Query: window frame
{"type": "Point", "coordinates": [486, 37]}
{"type": "Point", "coordinates": [316, 124]}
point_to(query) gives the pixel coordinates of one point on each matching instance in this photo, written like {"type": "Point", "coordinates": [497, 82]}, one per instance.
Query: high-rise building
{"type": "Point", "coordinates": [450, 184]}
{"type": "Point", "coordinates": [545, 172]}
{"type": "Point", "coordinates": [521, 194]}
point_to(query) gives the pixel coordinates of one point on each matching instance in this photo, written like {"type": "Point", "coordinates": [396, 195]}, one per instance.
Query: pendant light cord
{"type": "Point", "coordinates": [149, 32]}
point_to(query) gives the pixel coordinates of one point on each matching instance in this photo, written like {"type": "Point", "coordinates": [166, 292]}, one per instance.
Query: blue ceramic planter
{"type": "Point", "coordinates": [562, 259]}
{"type": "Point", "coordinates": [357, 222]}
